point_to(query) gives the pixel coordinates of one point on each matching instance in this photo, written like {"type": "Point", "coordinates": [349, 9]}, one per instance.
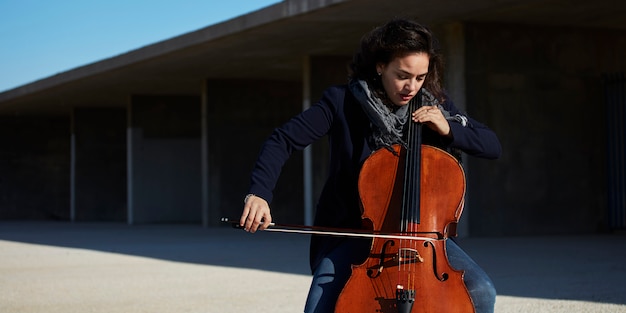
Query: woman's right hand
{"type": "Point", "coordinates": [256, 214]}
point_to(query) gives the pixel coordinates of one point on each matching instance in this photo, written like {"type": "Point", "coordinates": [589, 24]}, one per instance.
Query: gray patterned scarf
{"type": "Point", "coordinates": [387, 125]}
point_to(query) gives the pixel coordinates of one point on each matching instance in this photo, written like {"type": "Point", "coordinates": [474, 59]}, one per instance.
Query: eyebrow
{"type": "Point", "coordinates": [407, 73]}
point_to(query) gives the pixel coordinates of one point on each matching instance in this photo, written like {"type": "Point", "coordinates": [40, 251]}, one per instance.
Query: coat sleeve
{"type": "Point", "coordinates": [296, 134]}
{"type": "Point", "coordinates": [471, 136]}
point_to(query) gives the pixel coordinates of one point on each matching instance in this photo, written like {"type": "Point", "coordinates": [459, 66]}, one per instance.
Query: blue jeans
{"type": "Point", "coordinates": [334, 270]}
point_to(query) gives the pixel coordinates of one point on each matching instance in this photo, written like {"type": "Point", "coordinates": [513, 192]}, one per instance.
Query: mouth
{"type": "Point", "coordinates": [406, 97]}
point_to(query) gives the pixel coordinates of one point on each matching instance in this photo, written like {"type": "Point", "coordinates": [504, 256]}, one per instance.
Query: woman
{"type": "Point", "coordinates": [394, 64]}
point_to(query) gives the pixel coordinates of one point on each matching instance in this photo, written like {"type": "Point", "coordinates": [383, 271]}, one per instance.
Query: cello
{"type": "Point", "coordinates": [416, 192]}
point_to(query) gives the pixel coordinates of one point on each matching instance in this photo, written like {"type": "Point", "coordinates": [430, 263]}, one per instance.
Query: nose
{"type": "Point", "coordinates": [411, 85]}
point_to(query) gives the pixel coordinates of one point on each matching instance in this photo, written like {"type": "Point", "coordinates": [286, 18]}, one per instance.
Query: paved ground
{"type": "Point", "coordinates": [91, 267]}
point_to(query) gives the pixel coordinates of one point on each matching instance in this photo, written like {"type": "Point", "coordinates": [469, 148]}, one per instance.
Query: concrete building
{"type": "Point", "coordinates": [168, 133]}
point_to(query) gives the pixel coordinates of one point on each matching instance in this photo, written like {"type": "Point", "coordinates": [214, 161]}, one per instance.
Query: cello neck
{"type": "Point", "coordinates": [412, 169]}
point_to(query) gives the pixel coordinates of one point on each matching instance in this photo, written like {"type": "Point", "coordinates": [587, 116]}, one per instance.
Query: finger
{"type": "Point", "coordinates": [420, 110]}
{"type": "Point", "coordinates": [244, 215]}
{"type": "Point", "coordinates": [262, 219]}
{"type": "Point", "coordinates": [423, 111]}
{"type": "Point", "coordinates": [256, 221]}
{"type": "Point", "coordinates": [422, 116]}
{"type": "Point", "coordinates": [267, 220]}
{"type": "Point", "coordinates": [252, 220]}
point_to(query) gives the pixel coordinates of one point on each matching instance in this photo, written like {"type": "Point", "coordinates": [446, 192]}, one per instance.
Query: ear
{"type": "Point", "coordinates": [380, 67]}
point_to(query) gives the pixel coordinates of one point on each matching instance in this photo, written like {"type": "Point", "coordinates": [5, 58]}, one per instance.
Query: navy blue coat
{"type": "Point", "coordinates": [339, 115]}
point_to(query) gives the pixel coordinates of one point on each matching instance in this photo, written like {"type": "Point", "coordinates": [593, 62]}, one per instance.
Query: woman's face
{"type": "Point", "coordinates": [403, 77]}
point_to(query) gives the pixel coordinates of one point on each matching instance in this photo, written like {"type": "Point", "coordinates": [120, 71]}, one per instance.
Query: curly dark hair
{"type": "Point", "coordinates": [397, 38]}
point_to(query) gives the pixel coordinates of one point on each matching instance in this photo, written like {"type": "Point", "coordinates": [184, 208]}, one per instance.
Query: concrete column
{"type": "Point", "coordinates": [204, 158]}
{"type": "Point", "coordinates": [308, 155]}
{"type": "Point", "coordinates": [129, 164]}
{"type": "Point", "coordinates": [72, 171]}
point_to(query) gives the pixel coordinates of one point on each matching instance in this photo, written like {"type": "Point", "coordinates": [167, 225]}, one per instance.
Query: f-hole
{"type": "Point", "coordinates": [444, 276]}
{"type": "Point", "coordinates": [381, 266]}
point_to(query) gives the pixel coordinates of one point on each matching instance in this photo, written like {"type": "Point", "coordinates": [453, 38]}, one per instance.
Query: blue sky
{"type": "Point", "coordinates": [40, 38]}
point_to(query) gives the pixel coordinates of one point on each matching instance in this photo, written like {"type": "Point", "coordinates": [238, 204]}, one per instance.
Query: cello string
{"type": "Point", "coordinates": [416, 186]}
{"type": "Point", "coordinates": [410, 207]}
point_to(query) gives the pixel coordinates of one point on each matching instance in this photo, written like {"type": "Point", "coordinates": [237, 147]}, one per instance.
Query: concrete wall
{"type": "Point", "coordinates": [540, 89]}
{"type": "Point", "coordinates": [165, 159]}
{"type": "Point", "coordinates": [241, 115]}
{"type": "Point", "coordinates": [325, 71]}
{"type": "Point", "coordinates": [34, 167]}
{"type": "Point", "coordinates": [99, 164]}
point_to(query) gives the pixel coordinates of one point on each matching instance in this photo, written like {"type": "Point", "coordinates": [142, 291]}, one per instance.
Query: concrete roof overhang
{"type": "Point", "coordinates": [270, 44]}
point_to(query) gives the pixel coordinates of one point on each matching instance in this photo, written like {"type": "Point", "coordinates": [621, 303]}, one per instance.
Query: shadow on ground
{"type": "Point", "coordinates": [582, 268]}
{"type": "Point", "coordinates": [223, 246]}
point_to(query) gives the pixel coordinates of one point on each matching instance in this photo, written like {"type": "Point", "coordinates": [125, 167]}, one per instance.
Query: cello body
{"type": "Point", "coordinates": [409, 275]}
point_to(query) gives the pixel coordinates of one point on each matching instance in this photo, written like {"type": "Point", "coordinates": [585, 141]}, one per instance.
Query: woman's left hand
{"type": "Point", "coordinates": [432, 117]}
